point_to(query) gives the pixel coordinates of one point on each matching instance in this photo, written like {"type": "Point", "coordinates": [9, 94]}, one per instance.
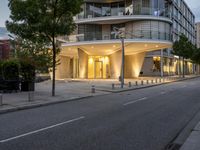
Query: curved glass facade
{"type": "Point", "coordinates": [147, 29]}
{"type": "Point", "coordinates": [126, 7]}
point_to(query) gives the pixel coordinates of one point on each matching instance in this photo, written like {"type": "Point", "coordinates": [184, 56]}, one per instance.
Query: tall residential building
{"type": "Point", "coordinates": [149, 28]}
{"type": "Point", "coordinates": [197, 26]}
{"type": "Point", "coordinates": [183, 23]}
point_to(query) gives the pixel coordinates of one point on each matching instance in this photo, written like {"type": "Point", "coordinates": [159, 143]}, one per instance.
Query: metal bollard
{"type": "Point", "coordinates": [93, 89]}
{"type": "Point", "coordinates": [152, 81]}
{"type": "Point", "coordinates": [113, 86]}
{"type": "Point", "coordinates": [136, 83]}
{"type": "Point", "coordinates": [142, 82]}
{"type": "Point", "coordinates": [129, 84]}
{"type": "Point", "coordinates": [147, 81]}
{"type": "Point", "coordinates": [1, 99]}
{"type": "Point", "coordinates": [156, 80]}
{"type": "Point", "coordinates": [160, 80]}
{"type": "Point", "coordinates": [30, 96]}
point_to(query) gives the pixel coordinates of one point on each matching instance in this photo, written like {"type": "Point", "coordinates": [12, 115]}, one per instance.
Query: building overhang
{"type": "Point", "coordinates": [107, 47]}
{"type": "Point", "coordinates": [120, 19]}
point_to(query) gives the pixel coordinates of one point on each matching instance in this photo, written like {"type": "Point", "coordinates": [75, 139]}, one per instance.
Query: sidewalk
{"type": "Point", "coordinates": [75, 89]}
{"type": "Point", "coordinates": [193, 141]}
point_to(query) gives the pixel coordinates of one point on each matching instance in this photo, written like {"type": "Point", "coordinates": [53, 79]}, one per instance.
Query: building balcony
{"type": "Point", "coordinates": [121, 16]}
{"type": "Point", "coordinates": [142, 34]}
{"type": "Point", "coordinates": [106, 44]}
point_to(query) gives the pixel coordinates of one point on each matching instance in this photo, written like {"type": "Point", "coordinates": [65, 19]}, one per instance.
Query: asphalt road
{"type": "Point", "coordinates": [146, 119]}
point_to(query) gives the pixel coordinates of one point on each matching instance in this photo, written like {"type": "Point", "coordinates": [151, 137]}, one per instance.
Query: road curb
{"type": "Point", "coordinates": [42, 104]}
{"type": "Point", "coordinates": [153, 85]}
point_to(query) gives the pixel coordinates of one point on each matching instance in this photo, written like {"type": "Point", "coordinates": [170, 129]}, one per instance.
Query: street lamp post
{"type": "Point", "coordinates": [122, 68]}
{"type": "Point", "coordinates": [119, 33]}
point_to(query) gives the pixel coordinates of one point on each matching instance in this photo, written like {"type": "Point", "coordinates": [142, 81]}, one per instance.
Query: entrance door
{"type": "Point", "coordinates": [98, 69]}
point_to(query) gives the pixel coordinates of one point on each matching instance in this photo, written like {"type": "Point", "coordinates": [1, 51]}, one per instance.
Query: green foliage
{"type": "Point", "coordinates": [1, 69]}
{"type": "Point", "coordinates": [196, 56]}
{"type": "Point", "coordinates": [10, 70]}
{"type": "Point", "coordinates": [183, 47]}
{"type": "Point", "coordinates": [43, 19]}
{"type": "Point", "coordinates": [35, 52]}
{"type": "Point", "coordinates": [27, 71]}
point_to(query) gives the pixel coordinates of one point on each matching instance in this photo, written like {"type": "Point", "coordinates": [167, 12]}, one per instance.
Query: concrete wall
{"type": "Point", "coordinates": [64, 69]}
{"type": "Point", "coordinates": [133, 65]}
{"type": "Point", "coordinates": [115, 64]}
{"type": "Point", "coordinates": [147, 67]}
{"type": "Point", "coordinates": [83, 64]}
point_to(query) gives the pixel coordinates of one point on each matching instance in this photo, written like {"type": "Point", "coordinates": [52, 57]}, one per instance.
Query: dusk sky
{"type": "Point", "coordinates": [4, 10]}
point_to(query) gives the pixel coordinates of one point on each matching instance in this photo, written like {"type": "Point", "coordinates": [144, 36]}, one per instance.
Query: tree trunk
{"type": "Point", "coordinates": [179, 66]}
{"type": "Point", "coordinates": [54, 67]}
{"type": "Point", "coordinates": [183, 67]}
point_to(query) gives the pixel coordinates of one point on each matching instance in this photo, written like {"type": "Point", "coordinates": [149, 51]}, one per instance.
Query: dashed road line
{"type": "Point", "coordinates": [40, 130]}
{"type": "Point", "coordinates": [135, 101]}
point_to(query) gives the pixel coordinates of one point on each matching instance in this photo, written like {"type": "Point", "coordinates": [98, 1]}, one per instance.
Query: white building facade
{"type": "Point", "coordinates": [149, 28]}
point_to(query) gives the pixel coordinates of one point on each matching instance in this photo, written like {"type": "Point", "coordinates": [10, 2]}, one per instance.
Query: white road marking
{"type": "Point", "coordinates": [40, 130]}
{"type": "Point", "coordinates": [135, 101]}
{"type": "Point", "coordinates": [163, 92]}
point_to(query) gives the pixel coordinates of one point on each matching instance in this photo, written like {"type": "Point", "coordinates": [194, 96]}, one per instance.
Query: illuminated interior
{"type": "Point", "coordinates": [98, 67]}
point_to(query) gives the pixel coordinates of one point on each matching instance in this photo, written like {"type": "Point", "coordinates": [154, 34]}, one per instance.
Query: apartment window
{"type": "Point", "coordinates": [89, 10]}
{"type": "Point", "coordinates": [106, 10]}
{"type": "Point", "coordinates": [129, 7]}
{"type": "Point", "coordinates": [90, 32]}
{"type": "Point", "coordinates": [118, 26]}
{"type": "Point", "coordinates": [137, 5]}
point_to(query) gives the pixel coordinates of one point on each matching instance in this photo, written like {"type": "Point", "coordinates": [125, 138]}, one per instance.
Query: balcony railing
{"type": "Point", "coordinates": [140, 34]}
{"type": "Point", "coordinates": [121, 12]}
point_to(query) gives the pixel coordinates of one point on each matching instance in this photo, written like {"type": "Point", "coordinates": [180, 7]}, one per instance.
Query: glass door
{"type": "Point", "coordinates": [98, 69]}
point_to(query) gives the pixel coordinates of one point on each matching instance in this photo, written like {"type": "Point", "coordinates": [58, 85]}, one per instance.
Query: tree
{"type": "Point", "coordinates": [46, 19]}
{"type": "Point", "coordinates": [35, 52]}
{"type": "Point", "coordinates": [196, 56]}
{"type": "Point", "coordinates": [183, 48]}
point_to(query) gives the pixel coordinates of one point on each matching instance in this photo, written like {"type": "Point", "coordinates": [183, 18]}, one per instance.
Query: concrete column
{"type": "Point", "coordinates": [63, 70]}
{"type": "Point", "coordinates": [83, 64]}
{"type": "Point", "coordinates": [133, 64]}
{"type": "Point", "coordinates": [161, 63]}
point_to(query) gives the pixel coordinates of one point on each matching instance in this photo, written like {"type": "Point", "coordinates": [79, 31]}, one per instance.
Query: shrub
{"type": "Point", "coordinates": [10, 69]}
{"type": "Point", "coordinates": [1, 70]}
{"type": "Point", "coordinates": [27, 71]}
